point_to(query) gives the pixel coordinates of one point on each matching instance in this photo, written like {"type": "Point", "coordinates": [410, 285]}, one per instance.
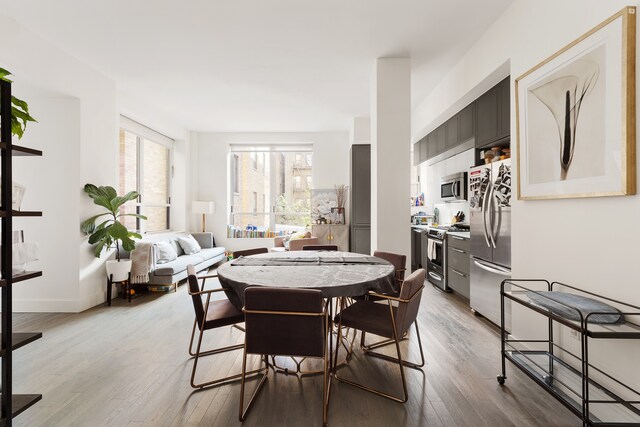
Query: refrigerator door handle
{"type": "Point", "coordinates": [492, 268]}
{"type": "Point", "coordinates": [491, 217]}
{"type": "Point", "coordinates": [484, 213]}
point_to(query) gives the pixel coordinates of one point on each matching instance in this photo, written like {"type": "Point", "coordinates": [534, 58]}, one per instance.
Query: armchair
{"type": "Point", "coordinates": [294, 244]}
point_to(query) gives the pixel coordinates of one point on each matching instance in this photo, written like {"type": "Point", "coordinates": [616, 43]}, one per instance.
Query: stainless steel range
{"type": "Point", "coordinates": [436, 256]}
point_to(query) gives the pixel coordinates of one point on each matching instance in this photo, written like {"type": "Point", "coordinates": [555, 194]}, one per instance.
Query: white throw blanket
{"type": "Point", "coordinates": [141, 258]}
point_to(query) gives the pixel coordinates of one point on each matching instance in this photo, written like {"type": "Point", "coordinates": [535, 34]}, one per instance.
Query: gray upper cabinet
{"type": "Point", "coordinates": [452, 127]}
{"type": "Point", "coordinates": [493, 111]}
{"type": "Point", "coordinates": [416, 153]}
{"type": "Point", "coordinates": [423, 149]}
{"type": "Point", "coordinates": [505, 108]}
{"type": "Point", "coordinates": [467, 123]}
{"type": "Point", "coordinates": [431, 145]}
{"type": "Point", "coordinates": [487, 117]}
{"type": "Point", "coordinates": [441, 139]}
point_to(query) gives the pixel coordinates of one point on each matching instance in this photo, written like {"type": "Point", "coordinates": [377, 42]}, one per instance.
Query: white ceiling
{"type": "Point", "coordinates": [259, 65]}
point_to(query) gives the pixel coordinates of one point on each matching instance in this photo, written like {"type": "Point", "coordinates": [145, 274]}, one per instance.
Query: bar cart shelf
{"type": "Point", "coordinates": [567, 376]}
{"type": "Point", "coordinates": [11, 405]}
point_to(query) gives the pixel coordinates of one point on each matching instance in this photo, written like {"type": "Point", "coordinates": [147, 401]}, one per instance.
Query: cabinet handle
{"type": "Point", "coordinates": [457, 272]}
{"type": "Point", "coordinates": [457, 250]}
{"type": "Point", "coordinates": [457, 237]}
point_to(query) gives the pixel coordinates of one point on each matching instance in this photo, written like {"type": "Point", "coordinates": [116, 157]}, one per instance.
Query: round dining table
{"type": "Point", "coordinates": [335, 274]}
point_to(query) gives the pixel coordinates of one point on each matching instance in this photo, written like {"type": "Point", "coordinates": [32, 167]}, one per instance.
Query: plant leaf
{"type": "Point", "coordinates": [89, 225]}
{"type": "Point", "coordinates": [3, 75]}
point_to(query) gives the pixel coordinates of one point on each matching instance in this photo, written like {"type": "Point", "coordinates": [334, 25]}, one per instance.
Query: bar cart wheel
{"type": "Point", "coordinates": [501, 379]}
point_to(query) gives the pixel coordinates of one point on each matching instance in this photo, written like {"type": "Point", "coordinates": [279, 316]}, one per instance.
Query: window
{"type": "Point", "coordinates": [308, 182]}
{"type": "Point", "coordinates": [145, 167]}
{"type": "Point", "coordinates": [273, 184]}
{"type": "Point", "coordinates": [309, 160]}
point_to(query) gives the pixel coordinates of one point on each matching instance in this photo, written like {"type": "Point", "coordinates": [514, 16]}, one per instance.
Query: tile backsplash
{"type": "Point", "coordinates": [448, 210]}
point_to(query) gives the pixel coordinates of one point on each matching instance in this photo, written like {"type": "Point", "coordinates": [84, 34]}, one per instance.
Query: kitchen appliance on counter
{"type": "Point", "coordinates": [453, 188]}
{"type": "Point", "coordinates": [435, 256]}
{"type": "Point", "coordinates": [490, 209]}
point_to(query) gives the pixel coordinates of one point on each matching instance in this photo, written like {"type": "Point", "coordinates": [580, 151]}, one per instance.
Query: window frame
{"type": "Point", "coordinates": [269, 152]}
{"type": "Point", "coordinates": [143, 133]}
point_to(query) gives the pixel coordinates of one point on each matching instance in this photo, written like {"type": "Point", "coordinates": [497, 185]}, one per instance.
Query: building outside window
{"type": "Point", "coordinates": [277, 183]}
{"type": "Point", "coordinates": [145, 167]}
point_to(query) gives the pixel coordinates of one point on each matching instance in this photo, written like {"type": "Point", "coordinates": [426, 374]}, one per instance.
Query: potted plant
{"type": "Point", "coordinates": [19, 110]}
{"type": "Point", "coordinates": [111, 233]}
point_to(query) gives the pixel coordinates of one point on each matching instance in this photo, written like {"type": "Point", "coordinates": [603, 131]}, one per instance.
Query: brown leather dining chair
{"type": "Point", "coordinates": [249, 252]}
{"type": "Point", "coordinates": [210, 315]}
{"type": "Point", "coordinates": [388, 321]}
{"type": "Point", "coordinates": [320, 248]}
{"type": "Point", "coordinates": [285, 322]}
{"type": "Point", "coordinates": [399, 263]}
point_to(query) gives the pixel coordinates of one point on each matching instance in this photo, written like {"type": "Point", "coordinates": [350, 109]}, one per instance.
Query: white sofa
{"type": "Point", "coordinates": [171, 273]}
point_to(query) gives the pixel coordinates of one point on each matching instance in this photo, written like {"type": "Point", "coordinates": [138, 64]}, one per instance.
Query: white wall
{"type": "Point", "coordinates": [555, 239]}
{"type": "Point", "coordinates": [391, 155]}
{"type": "Point", "coordinates": [209, 160]}
{"type": "Point", "coordinates": [78, 112]}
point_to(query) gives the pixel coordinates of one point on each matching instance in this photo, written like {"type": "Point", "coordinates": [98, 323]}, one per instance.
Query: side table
{"type": "Point", "coordinates": [110, 283]}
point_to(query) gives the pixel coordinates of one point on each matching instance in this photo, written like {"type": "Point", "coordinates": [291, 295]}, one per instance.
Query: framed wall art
{"type": "Point", "coordinates": [575, 117]}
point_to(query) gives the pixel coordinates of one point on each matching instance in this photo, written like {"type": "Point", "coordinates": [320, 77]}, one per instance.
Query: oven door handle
{"type": "Point", "coordinates": [484, 213]}
{"type": "Point", "coordinates": [434, 275]}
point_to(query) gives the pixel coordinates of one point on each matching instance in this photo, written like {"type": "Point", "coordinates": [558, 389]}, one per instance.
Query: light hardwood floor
{"type": "Point", "coordinates": [127, 365]}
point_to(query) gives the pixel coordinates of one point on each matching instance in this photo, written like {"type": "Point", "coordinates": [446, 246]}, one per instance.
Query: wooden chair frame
{"type": "Point", "coordinates": [396, 340]}
{"type": "Point", "coordinates": [326, 392]}
{"type": "Point", "coordinates": [198, 353]}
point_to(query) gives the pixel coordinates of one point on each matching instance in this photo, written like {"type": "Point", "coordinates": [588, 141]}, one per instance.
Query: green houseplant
{"type": "Point", "coordinates": [19, 110]}
{"type": "Point", "coordinates": [109, 232]}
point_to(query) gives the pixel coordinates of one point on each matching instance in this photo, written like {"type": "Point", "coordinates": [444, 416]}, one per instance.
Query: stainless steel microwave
{"type": "Point", "coordinates": [453, 187]}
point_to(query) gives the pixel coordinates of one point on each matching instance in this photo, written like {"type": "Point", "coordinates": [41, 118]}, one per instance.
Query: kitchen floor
{"type": "Point", "coordinates": [127, 365]}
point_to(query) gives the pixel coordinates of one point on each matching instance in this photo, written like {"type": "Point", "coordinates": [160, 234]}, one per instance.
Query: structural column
{"type": "Point", "coordinates": [391, 156]}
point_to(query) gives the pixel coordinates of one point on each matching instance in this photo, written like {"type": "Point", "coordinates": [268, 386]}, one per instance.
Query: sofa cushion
{"type": "Point", "coordinates": [189, 245]}
{"type": "Point", "coordinates": [208, 253]}
{"type": "Point", "coordinates": [177, 266]}
{"type": "Point", "coordinates": [165, 253]}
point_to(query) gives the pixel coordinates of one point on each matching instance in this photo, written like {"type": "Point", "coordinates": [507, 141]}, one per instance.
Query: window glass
{"type": "Point", "coordinates": [145, 167]}
{"type": "Point", "coordinates": [282, 180]}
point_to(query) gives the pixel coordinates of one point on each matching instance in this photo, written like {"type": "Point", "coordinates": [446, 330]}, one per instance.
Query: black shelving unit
{"type": "Point", "coordinates": [11, 404]}
{"type": "Point", "coordinates": [565, 374]}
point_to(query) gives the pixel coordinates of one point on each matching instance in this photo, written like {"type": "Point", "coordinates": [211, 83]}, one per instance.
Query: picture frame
{"type": "Point", "coordinates": [576, 117]}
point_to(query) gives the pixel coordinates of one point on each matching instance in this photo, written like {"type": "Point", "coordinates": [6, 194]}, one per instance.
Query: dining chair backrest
{"type": "Point", "coordinates": [398, 261]}
{"type": "Point", "coordinates": [320, 248]}
{"type": "Point", "coordinates": [248, 252]}
{"type": "Point", "coordinates": [408, 311]}
{"type": "Point", "coordinates": [279, 333]}
{"type": "Point", "coordinates": [194, 288]}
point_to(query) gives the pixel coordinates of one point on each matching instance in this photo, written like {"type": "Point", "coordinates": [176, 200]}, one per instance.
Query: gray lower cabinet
{"type": "Point", "coordinates": [360, 217]}
{"type": "Point", "coordinates": [458, 265]}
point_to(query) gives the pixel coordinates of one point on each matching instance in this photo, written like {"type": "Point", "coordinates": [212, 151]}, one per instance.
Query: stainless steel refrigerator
{"type": "Point", "coordinates": [490, 209]}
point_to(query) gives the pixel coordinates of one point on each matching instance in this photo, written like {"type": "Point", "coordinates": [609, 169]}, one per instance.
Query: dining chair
{"type": "Point", "coordinates": [249, 252]}
{"type": "Point", "coordinates": [320, 248]}
{"type": "Point", "coordinates": [399, 263]}
{"type": "Point", "coordinates": [210, 315]}
{"type": "Point", "coordinates": [285, 322]}
{"type": "Point", "coordinates": [387, 321]}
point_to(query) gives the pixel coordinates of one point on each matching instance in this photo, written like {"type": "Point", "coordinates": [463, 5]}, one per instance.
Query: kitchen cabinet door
{"type": "Point", "coordinates": [441, 139]}
{"type": "Point", "coordinates": [452, 127]}
{"type": "Point", "coordinates": [416, 153]}
{"type": "Point", "coordinates": [467, 123]}
{"type": "Point", "coordinates": [487, 117]}
{"type": "Point", "coordinates": [423, 150]}
{"type": "Point", "coordinates": [431, 145]}
{"type": "Point", "coordinates": [505, 107]}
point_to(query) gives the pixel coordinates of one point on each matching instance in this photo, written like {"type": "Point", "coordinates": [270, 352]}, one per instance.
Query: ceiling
{"type": "Point", "coordinates": [259, 65]}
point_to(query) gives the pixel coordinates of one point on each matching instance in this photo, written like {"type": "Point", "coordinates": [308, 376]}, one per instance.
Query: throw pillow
{"type": "Point", "coordinates": [165, 253]}
{"type": "Point", "coordinates": [299, 235]}
{"type": "Point", "coordinates": [189, 244]}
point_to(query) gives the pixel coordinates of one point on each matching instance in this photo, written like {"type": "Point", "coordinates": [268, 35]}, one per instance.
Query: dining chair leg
{"type": "Point", "coordinates": [209, 352]}
{"type": "Point", "coordinates": [326, 389]}
{"type": "Point", "coordinates": [399, 361]}
{"type": "Point", "coordinates": [393, 359]}
{"type": "Point", "coordinates": [243, 412]}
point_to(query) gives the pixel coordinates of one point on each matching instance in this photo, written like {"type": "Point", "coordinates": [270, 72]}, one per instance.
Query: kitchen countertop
{"type": "Point", "coordinates": [422, 227]}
